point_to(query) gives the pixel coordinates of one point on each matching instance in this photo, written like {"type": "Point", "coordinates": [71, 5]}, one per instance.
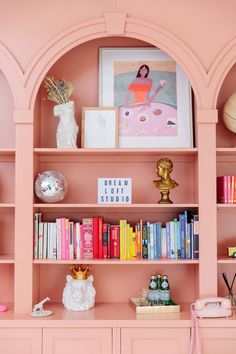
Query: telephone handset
{"type": "Point", "coordinates": [213, 307]}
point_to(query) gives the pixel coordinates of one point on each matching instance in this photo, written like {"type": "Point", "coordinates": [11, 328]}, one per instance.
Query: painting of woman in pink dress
{"type": "Point", "coordinates": [142, 113]}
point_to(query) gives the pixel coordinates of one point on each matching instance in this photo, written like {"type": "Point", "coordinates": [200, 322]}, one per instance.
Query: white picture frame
{"type": "Point", "coordinates": [175, 127]}
{"type": "Point", "coordinates": [99, 127]}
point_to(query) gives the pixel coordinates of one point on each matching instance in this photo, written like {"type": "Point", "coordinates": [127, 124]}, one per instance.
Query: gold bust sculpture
{"type": "Point", "coordinates": [165, 183]}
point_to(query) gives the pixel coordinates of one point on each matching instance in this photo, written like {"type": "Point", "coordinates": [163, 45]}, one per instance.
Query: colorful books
{"type": "Point", "coordinates": [93, 238]}
{"type": "Point", "coordinates": [226, 189]}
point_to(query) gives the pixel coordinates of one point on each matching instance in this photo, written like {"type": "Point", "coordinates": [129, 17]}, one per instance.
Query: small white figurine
{"type": "Point", "coordinates": [79, 293]}
{"type": "Point", "coordinates": [67, 129]}
{"type": "Point", "coordinates": [38, 310]}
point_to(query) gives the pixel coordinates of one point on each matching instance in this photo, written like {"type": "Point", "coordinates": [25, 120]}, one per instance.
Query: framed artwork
{"type": "Point", "coordinates": [99, 127]}
{"type": "Point", "coordinates": [152, 94]}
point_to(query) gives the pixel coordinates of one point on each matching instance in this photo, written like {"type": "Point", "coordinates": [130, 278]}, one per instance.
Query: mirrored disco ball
{"type": "Point", "coordinates": [51, 186]}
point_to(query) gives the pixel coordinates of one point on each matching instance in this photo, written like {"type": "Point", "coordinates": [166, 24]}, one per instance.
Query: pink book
{"type": "Point", "coordinates": [95, 237]}
{"type": "Point", "coordinates": [115, 241]}
{"type": "Point", "coordinates": [67, 239]}
{"type": "Point", "coordinates": [88, 237]}
{"type": "Point", "coordinates": [63, 238]}
{"type": "Point", "coordinates": [100, 251]}
{"type": "Point", "coordinates": [81, 241]}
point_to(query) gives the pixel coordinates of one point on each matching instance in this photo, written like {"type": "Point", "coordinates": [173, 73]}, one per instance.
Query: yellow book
{"type": "Point", "coordinates": [122, 239]}
{"type": "Point", "coordinates": [133, 245]}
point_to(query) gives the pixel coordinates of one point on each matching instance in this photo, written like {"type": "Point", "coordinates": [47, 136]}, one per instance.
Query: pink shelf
{"type": "Point", "coordinates": [102, 315]}
{"type": "Point", "coordinates": [7, 259]}
{"type": "Point", "coordinates": [110, 315]}
{"type": "Point", "coordinates": [139, 152]}
{"type": "Point", "coordinates": [7, 205]}
{"type": "Point", "coordinates": [226, 260]}
{"type": "Point", "coordinates": [117, 261]}
{"type": "Point", "coordinates": [114, 207]}
{"type": "Point", "coordinates": [225, 207]}
{"type": "Point", "coordinates": [226, 151]}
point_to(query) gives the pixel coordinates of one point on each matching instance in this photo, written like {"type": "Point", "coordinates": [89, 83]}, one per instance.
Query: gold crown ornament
{"type": "Point", "coordinates": [80, 272]}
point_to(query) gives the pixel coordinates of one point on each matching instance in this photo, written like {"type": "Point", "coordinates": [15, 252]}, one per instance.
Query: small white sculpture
{"type": "Point", "coordinates": [38, 309]}
{"type": "Point", "coordinates": [59, 91]}
{"type": "Point", "coordinates": [79, 293]}
{"type": "Point", "coordinates": [67, 129]}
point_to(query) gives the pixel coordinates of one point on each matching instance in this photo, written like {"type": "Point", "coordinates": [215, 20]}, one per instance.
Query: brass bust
{"type": "Point", "coordinates": [165, 183]}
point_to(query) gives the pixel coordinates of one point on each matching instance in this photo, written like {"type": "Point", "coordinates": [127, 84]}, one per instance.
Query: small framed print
{"type": "Point", "coordinates": [114, 190]}
{"type": "Point", "coordinates": [153, 95]}
{"type": "Point", "coordinates": [99, 127]}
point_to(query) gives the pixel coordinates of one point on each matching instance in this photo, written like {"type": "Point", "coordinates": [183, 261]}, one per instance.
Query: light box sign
{"type": "Point", "coordinates": [114, 190]}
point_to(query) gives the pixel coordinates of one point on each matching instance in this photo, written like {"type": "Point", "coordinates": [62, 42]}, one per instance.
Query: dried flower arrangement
{"type": "Point", "coordinates": [58, 91]}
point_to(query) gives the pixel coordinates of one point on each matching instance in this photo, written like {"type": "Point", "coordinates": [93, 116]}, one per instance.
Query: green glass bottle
{"type": "Point", "coordinates": [165, 290]}
{"type": "Point", "coordinates": [152, 294]}
{"type": "Point", "coordinates": [159, 288]}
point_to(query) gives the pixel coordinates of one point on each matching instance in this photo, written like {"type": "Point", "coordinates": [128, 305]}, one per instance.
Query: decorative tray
{"type": "Point", "coordinates": [140, 307]}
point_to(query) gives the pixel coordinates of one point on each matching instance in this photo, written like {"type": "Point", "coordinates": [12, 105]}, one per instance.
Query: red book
{"type": "Point", "coordinates": [115, 241]}
{"type": "Point", "coordinates": [88, 237]}
{"type": "Point", "coordinates": [104, 241]}
{"type": "Point", "coordinates": [95, 238]}
{"type": "Point", "coordinates": [222, 189]}
{"type": "Point", "coordinates": [100, 223]}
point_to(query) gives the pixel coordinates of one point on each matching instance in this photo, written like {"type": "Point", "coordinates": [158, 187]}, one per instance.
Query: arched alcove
{"type": "Point", "coordinates": [140, 30]}
{"type": "Point", "coordinates": [80, 65]}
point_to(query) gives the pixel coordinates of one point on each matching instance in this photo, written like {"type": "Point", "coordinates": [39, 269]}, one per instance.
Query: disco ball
{"type": "Point", "coordinates": [51, 186]}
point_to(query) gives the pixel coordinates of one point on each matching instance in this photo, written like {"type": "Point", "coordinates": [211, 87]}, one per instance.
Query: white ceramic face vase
{"type": "Point", "coordinates": [67, 128]}
{"type": "Point", "coordinates": [79, 295]}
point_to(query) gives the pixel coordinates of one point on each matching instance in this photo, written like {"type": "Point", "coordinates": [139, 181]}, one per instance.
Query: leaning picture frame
{"type": "Point", "coordinates": [99, 127]}
{"type": "Point", "coordinates": [153, 96]}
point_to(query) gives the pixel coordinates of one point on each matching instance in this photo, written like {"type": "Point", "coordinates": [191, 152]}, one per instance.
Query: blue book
{"type": "Point", "coordinates": [168, 245]}
{"type": "Point", "coordinates": [151, 229]}
{"type": "Point", "coordinates": [182, 236]}
{"type": "Point", "coordinates": [148, 240]}
{"type": "Point", "coordinates": [158, 243]}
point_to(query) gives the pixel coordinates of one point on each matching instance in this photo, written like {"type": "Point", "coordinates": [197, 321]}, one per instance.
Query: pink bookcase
{"type": "Point", "coordinates": [69, 49]}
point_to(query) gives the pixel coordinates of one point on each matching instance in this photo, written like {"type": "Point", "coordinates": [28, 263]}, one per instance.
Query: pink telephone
{"type": "Point", "coordinates": [213, 307]}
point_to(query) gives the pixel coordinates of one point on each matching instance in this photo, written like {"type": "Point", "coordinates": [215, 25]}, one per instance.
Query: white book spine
{"type": "Point", "coordinates": [40, 247]}
{"type": "Point", "coordinates": [163, 243]}
{"type": "Point", "coordinates": [54, 237]}
{"type": "Point", "coordinates": [58, 231]}
{"type": "Point", "coordinates": [45, 237]}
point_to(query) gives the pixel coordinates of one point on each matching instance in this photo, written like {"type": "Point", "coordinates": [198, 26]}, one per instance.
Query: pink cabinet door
{"type": "Point", "coordinates": [20, 340]}
{"type": "Point", "coordinates": [155, 340]}
{"type": "Point", "coordinates": [218, 340]}
{"type": "Point", "coordinates": [77, 341]}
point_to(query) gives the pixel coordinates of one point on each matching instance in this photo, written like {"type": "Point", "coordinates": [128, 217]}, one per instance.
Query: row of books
{"type": "Point", "coordinates": [93, 238]}
{"type": "Point", "coordinates": [226, 189]}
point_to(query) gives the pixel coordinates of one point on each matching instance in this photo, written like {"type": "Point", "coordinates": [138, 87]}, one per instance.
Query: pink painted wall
{"type": "Point", "coordinates": [33, 23]}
